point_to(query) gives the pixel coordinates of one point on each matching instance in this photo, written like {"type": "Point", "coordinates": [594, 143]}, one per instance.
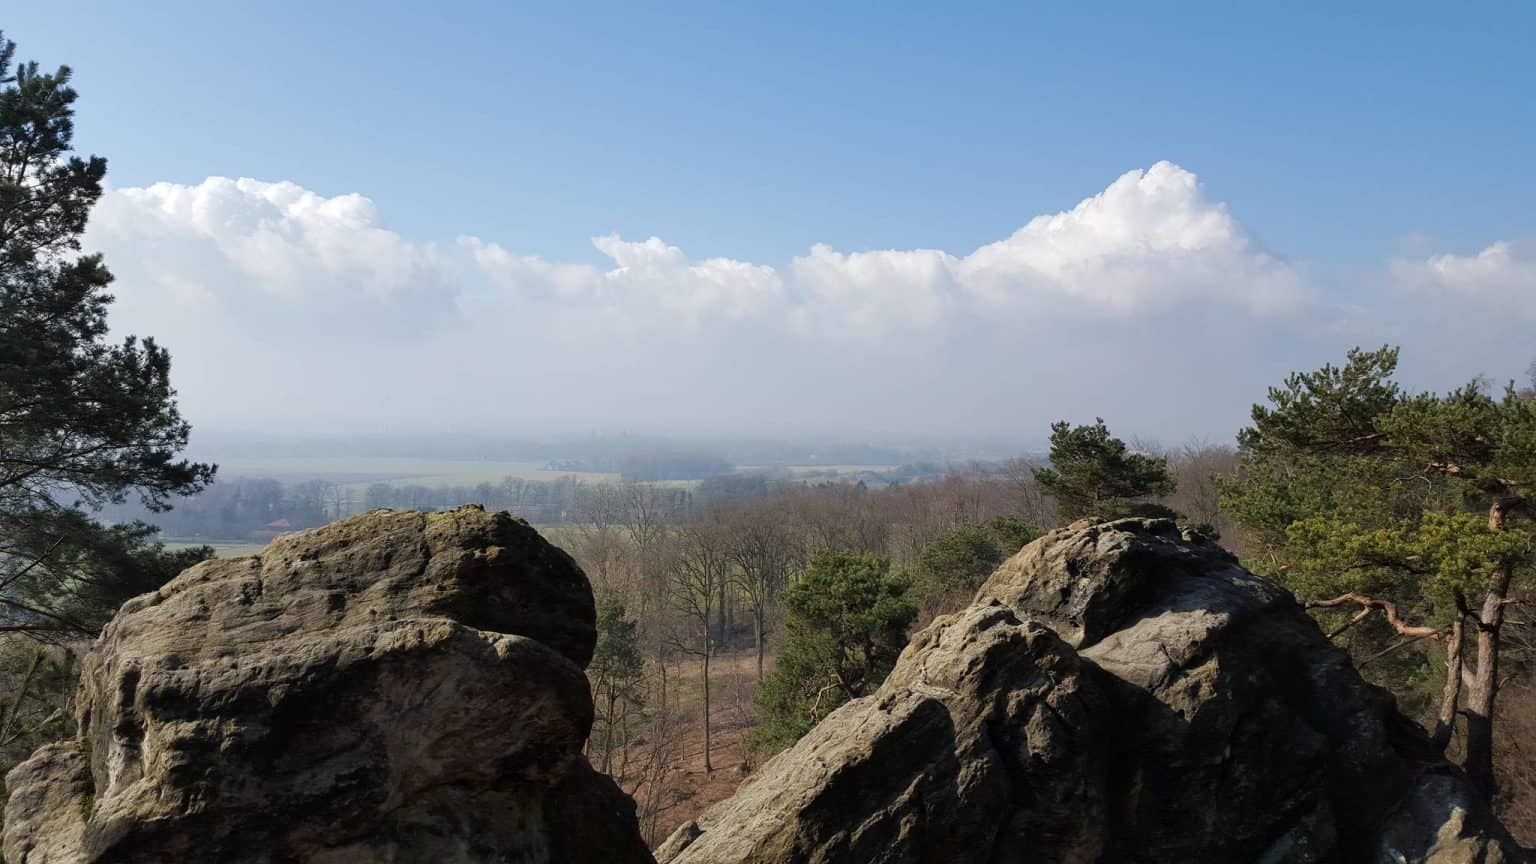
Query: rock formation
{"type": "Point", "coordinates": [1116, 692]}
{"type": "Point", "coordinates": [406, 687]}
{"type": "Point", "coordinates": [395, 687]}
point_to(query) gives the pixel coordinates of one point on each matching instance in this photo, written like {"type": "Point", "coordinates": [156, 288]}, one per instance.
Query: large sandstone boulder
{"type": "Point", "coordinates": [396, 687]}
{"type": "Point", "coordinates": [1116, 692]}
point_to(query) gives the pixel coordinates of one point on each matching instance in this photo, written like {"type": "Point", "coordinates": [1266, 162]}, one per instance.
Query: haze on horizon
{"type": "Point", "coordinates": [892, 227]}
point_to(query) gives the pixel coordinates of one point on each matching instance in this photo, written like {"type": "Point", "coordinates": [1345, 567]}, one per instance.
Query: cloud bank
{"type": "Point", "coordinates": [292, 313]}
{"type": "Point", "coordinates": [1501, 276]}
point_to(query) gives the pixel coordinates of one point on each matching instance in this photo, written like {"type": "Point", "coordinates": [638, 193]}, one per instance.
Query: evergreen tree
{"type": "Point", "coordinates": [1094, 474]}
{"type": "Point", "coordinates": [83, 421]}
{"type": "Point", "coordinates": [846, 620]}
{"type": "Point", "coordinates": [1363, 497]}
{"type": "Point", "coordinates": [953, 566]}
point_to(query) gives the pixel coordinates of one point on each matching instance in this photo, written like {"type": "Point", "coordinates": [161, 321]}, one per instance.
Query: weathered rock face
{"type": "Point", "coordinates": [1188, 711]}
{"type": "Point", "coordinates": [396, 687]}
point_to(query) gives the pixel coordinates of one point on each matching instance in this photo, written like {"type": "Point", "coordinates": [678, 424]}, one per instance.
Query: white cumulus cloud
{"type": "Point", "coordinates": [650, 283]}
{"type": "Point", "coordinates": [285, 307]}
{"type": "Point", "coordinates": [251, 248]}
{"type": "Point", "coordinates": [1150, 240]}
{"type": "Point", "coordinates": [1502, 275]}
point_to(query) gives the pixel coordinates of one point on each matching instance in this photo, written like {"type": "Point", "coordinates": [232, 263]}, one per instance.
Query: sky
{"type": "Point", "coordinates": [898, 223]}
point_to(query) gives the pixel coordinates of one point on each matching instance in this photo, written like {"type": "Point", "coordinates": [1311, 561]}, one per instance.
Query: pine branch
{"type": "Point", "coordinates": [1387, 607]}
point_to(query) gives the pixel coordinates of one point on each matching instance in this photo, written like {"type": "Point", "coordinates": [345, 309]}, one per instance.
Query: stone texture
{"type": "Point", "coordinates": [395, 687]}
{"type": "Point", "coordinates": [1189, 712]}
{"type": "Point", "coordinates": [982, 713]}
{"type": "Point", "coordinates": [51, 798]}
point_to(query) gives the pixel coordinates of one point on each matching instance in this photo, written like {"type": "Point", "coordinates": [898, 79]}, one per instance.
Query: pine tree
{"type": "Point", "coordinates": [954, 564]}
{"type": "Point", "coordinates": [1363, 497]}
{"type": "Point", "coordinates": [846, 620]}
{"type": "Point", "coordinates": [83, 421]}
{"type": "Point", "coordinates": [1095, 474]}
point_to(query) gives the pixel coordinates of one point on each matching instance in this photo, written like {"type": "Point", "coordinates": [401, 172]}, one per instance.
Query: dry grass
{"type": "Point", "coordinates": [221, 548]}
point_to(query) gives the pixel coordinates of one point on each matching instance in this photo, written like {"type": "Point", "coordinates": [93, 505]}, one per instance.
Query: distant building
{"type": "Point", "coordinates": [271, 529]}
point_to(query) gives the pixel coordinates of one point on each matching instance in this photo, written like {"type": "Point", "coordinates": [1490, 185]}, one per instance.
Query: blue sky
{"type": "Point", "coordinates": [755, 132]}
{"type": "Point", "coordinates": [1342, 142]}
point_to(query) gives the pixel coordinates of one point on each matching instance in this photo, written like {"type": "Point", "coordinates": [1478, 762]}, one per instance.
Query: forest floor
{"type": "Point", "coordinates": [685, 788]}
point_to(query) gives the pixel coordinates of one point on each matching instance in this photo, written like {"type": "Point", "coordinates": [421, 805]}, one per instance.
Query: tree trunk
{"type": "Point", "coordinates": [720, 613]}
{"type": "Point", "coordinates": [1445, 726]}
{"type": "Point", "coordinates": [708, 767]}
{"type": "Point", "coordinates": [608, 737]}
{"type": "Point", "coordinates": [1485, 687]}
{"type": "Point", "coordinates": [624, 736]}
{"type": "Point", "coordinates": [757, 625]}
{"type": "Point", "coordinates": [661, 670]}
{"type": "Point", "coordinates": [26, 683]}
{"type": "Point", "coordinates": [1485, 680]}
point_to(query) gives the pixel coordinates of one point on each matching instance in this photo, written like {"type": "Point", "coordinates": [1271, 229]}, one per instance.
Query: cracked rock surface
{"type": "Point", "coordinates": [1116, 691]}
{"type": "Point", "coordinates": [394, 687]}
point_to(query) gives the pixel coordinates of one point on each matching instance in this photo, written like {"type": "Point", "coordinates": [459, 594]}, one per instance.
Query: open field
{"type": "Point", "coordinates": [221, 548]}
{"type": "Point", "coordinates": [814, 470]}
{"type": "Point", "coordinates": [388, 469]}
{"type": "Point", "coordinates": [349, 470]}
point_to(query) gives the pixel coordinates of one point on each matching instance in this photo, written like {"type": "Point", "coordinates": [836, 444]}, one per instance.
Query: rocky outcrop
{"type": "Point", "coordinates": [1116, 692]}
{"type": "Point", "coordinates": [396, 687]}
{"type": "Point", "coordinates": [406, 687]}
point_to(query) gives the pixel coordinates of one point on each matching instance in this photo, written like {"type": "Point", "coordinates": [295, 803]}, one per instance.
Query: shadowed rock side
{"type": "Point", "coordinates": [1188, 711]}
{"type": "Point", "coordinates": [395, 687]}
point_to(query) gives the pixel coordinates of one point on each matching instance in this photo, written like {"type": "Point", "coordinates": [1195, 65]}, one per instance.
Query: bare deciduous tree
{"type": "Point", "coordinates": [763, 550]}
{"type": "Point", "coordinates": [1029, 503]}
{"type": "Point", "coordinates": [338, 500]}
{"type": "Point", "coordinates": [699, 575]}
{"type": "Point", "coordinates": [1195, 468]}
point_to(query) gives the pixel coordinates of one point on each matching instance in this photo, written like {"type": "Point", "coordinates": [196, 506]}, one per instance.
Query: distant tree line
{"type": "Point", "coordinates": [254, 509]}
{"type": "Point", "coordinates": [541, 502]}
{"type": "Point", "coordinates": [650, 465]}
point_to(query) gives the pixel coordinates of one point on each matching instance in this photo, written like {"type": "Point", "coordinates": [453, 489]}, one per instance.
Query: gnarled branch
{"type": "Point", "coordinates": [1387, 607]}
